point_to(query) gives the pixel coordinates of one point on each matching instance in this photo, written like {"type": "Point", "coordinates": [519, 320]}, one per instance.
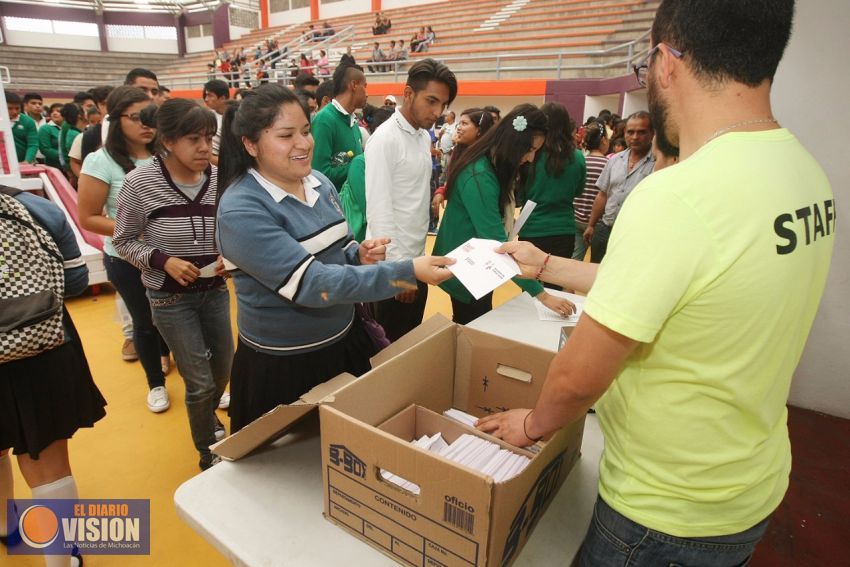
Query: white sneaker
{"type": "Point", "coordinates": [224, 402]}
{"type": "Point", "coordinates": [158, 400]}
{"type": "Point", "coordinates": [220, 433]}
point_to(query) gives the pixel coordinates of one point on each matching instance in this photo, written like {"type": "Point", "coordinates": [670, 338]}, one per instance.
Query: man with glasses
{"type": "Point", "coordinates": [698, 316]}
{"type": "Point", "coordinates": [622, 173]}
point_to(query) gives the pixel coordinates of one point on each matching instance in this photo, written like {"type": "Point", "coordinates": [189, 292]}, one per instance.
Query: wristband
{"type": "Point", "coordinates": [543, 267]}
{"type": "Point", "coordinates": [525, 430]}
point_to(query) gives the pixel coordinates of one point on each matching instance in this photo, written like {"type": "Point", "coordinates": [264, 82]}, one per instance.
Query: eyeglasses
{"type": "Point", "coordinates": [134, 118]}
{"type": "Point", "coordinates": [642, 70]}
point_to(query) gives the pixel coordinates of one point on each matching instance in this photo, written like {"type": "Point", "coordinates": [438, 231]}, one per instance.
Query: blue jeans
{"type": "Point", "coordinates": [197, 328]}
{"type": "Point", "coordinates": [613, 540]}
{"type": "Point", "coordinates": [580, 248]}
{"type": "Point", "coordinates": [127, 280]}
{"type": "Point", "coordinates": [599, 242]}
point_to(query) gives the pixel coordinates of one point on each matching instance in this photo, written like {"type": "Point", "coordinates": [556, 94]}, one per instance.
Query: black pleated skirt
{"type": "Point", "coordinates": [259, 382]}
{"type": "Point", "coordinates": [48, 397]}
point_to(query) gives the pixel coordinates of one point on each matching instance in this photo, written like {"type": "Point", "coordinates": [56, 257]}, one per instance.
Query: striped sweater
{"type": "Point", "coordinates": [298, 274]}
{"type": "Point", "coordinates": [583, 204]}
{"type": "Point", "coordinates": [156, 221]}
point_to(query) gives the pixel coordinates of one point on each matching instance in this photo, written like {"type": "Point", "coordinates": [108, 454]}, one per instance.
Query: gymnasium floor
{"type": "Point", "coordinates": [133, 453]}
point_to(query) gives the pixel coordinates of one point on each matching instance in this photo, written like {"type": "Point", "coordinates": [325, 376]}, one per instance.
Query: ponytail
{"type": "Point", "coordinates": [247, 119]}
{"type": "Point", "coordinates": [233, 159]}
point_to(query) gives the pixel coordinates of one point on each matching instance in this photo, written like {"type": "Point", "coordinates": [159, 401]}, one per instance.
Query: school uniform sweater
{"type": "Point", "coordinates": [48, 143]}
{"type": "Point", "coordinates": [333, 133]}
{"type": "Point", "coordinates": [25, 134]}
{"type": "Point", "coordinates": [156, 221]}
{"type": "Point", "coordinates": [472, 211]}
{"type": "Point", "coordinates": [554, 194]}
{"type": "Point", "coordinates": [297, 276]}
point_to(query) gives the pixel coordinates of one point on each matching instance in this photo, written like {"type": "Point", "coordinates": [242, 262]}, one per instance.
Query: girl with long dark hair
{"type": "Point", "coordinates": [481, 201]}
{"type": "Point", "coordinates": [473, 123]}
{"type": "Point", "coordinates": [559, 175]}
{"type": "Point", "coordinates": [297, 268]}
{"type": "Point", "coordinates": [130, 142]}
{"type": "Point", "coordinates": [166, 228]}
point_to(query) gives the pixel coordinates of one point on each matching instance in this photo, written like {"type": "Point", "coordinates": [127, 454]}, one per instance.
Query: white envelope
{"type": "Point", "coordinates": [479, 268]}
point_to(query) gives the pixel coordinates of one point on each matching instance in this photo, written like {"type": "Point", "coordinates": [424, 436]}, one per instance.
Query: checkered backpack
{"type": "Point", "coordinates": [32, 283]}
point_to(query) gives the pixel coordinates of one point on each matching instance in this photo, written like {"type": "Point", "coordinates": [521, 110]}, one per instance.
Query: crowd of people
{"type": "Point", "coordinates": [269, 61]}
{"type": "Point", "coordinates": [250, 67]}
{"type": "Point", "coordinates": [319, 205]}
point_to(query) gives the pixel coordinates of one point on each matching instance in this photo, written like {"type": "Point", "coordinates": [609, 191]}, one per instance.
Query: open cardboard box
{"type": "Point", "coordinates": [460, 517]}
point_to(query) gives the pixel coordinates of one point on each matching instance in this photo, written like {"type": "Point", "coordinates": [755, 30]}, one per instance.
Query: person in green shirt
{"type": "Point", "coordinates": [24, 130]}
{"type": "Point", "coordinates": [697, 317]}
{"type": "Point", "coordinates": [481, 203]}
{"type": "Point", "coordinates": [559, 176]}
{"type": "Point", "coordinates": [335, 130]}
{"type": "Point", "coordinates": [74, 123]}
{"type": "Point", "coordinates": [48, 136]}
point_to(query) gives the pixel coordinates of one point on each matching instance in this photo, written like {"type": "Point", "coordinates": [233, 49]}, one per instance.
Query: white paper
{"type": "Point", "coordinates": [461, 417]}
{"type": "Point", "coordinates": [208, 271]}
{"type": "Point", "coordinates": [479, 268]}
{"type": "Point", "coordinates": [546, 314]}
{"type": "Point", "coordinates": [523, 217]}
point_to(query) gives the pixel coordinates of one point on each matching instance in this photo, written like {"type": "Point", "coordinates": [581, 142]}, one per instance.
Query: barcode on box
{"type": "Point", "coordinates": [458, 517]}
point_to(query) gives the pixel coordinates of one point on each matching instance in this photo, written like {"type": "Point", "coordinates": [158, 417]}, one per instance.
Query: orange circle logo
{"type": "Point", "coordinates": [38, 526]}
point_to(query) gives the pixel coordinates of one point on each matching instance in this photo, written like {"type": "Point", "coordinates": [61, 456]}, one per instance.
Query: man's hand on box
{"type": "Point", "coordinates": [508, 426]}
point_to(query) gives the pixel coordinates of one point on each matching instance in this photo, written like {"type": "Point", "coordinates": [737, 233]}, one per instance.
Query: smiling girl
{"type": "Point", "coordinates": [299, 270]}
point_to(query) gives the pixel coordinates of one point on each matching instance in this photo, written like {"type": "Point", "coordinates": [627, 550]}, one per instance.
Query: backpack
{"type": "Point", "coordinates": [32, 283]}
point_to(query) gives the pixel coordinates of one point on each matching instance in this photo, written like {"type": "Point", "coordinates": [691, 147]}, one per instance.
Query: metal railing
{"type": "Point", "coordinates": [304, 42]}
{"type": "Point", "coordinates": [396, 70]}
{"type": "Point", "coordinates": [501, 63]}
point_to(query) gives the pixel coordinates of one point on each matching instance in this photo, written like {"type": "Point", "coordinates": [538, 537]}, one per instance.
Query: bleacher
{"type": "Point", "coordinates": [68, 70]}
{"type": "Point", "coordinates": [533, 41]}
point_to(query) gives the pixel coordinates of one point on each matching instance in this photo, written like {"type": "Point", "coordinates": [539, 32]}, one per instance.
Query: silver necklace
{"type": "Point", "coordinates": [738, 125]}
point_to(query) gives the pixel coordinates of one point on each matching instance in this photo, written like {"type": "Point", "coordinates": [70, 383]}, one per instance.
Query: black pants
{"type": "Point", "coordinates": [463, 313]}
{"type": "Point", "coordinates": [560, 245]}
{"type": "Point", "coordinates": [399, 318]}
{"type": "Point", "coordinates": [127, 281]}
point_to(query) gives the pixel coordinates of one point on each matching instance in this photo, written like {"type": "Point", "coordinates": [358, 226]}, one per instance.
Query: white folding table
{"type": "Point", "coordinates": [266, 509]}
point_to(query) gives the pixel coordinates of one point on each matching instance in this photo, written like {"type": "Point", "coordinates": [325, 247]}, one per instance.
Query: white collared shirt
{"type": "Point", "coordinates": [352, 119]}
{"type": "Point", "coordinates": [398, 180]}
{"type": "Point", "coordinates": [310, 183]}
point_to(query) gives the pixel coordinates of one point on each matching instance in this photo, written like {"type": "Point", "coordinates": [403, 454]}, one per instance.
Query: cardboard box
{"type": "Point", "coordinates": [461, 516]}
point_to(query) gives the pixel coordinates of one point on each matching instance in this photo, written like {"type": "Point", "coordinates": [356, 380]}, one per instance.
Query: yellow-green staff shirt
{"type": "Point", "coordinates": [716, 265]}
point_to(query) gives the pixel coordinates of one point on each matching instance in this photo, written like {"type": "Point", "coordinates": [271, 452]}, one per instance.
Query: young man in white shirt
{"type": "Point", "coordinates": [216, 96]}
{"type": "Point", "coordinates": [398, 174]}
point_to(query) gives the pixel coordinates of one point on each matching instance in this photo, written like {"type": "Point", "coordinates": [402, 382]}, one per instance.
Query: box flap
{"type": "Point", "coordinates": [433, 325]}
{"type": "Point", "coordinates": [275, 423]}
{"type": "Point", "coordinates": [262, 430]}
{"type": "Point", "coordinates": [324, 393]}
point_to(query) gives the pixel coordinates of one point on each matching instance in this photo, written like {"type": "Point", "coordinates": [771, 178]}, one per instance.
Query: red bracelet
{"type": "Point", "coordinates": [543, 267]}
